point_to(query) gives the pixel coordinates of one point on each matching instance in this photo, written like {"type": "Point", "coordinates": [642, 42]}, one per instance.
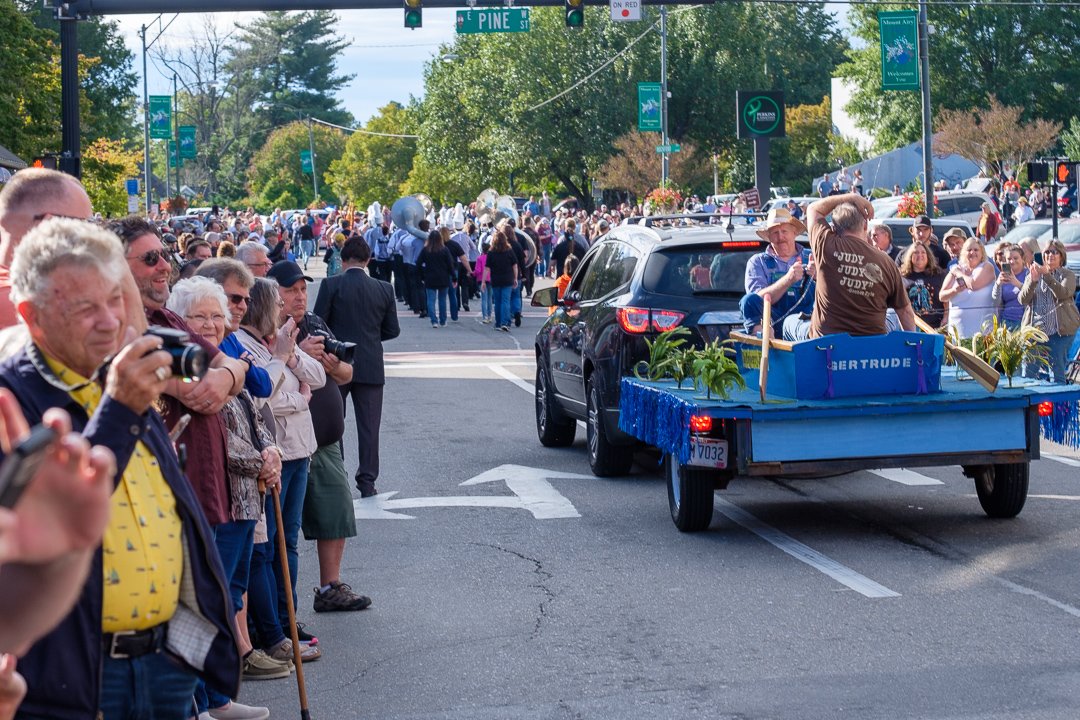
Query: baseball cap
{"type": "Point", "coordinates": [287, 273]}
{"type": "Point", "coordinates": [922, 221]}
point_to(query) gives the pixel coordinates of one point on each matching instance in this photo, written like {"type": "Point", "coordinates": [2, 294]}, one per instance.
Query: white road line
{"type": "Point", "coordinates": [803, 553]}
{"type": "Point", "coordinates": [526, 386]}
{"type": "Point", "coordinates": [1054, 497]}
{"type": "Point", "coordinates": [905, 477]}
{"type": "Point", "coordinates": [1072, 462]}
{"type": "Point", "coordinates": [1022, 590]}
{"type": "Point", "coordinates": [439, 366]}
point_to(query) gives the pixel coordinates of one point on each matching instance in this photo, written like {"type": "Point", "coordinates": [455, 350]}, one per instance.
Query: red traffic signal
{"type": "Point", "coordinates": [1063, 173]}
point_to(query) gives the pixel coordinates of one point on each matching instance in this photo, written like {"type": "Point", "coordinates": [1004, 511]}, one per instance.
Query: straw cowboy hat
{"type": "Point", "coordinates": [780, 216]}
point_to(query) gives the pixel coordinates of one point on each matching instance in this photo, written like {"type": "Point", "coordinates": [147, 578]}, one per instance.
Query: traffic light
{"type": "Point", "coordinates": [1064, 173]}
{"type": "Point", "coordinates": [575, 13]}
{"type": "Point", "coordinates": [48, 162]}
{"type": "Point", "coordinates": [1037, 172]}
{"type": "Point", "coordinates": [414, 14]}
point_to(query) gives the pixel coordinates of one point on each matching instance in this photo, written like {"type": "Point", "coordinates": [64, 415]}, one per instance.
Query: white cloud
{"type": "Point", "coordinates": [386, 59]}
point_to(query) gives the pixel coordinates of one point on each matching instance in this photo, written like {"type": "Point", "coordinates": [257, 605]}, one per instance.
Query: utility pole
{"type": "Point", "coordinates": [70, 151]}
{"type": "Point", "coordinates": [147, 172]}
{"type": "Point", "coordinates": [665, 167]}
{"type": "Point", "coordinates": [927, 131]}
{"type": "Point", "coordinates": [176, 132]}
{"type": "Point", "coordinates": [311, 145]}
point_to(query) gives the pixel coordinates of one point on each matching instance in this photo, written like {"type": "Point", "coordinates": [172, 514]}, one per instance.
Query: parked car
{"type": "Point", "coordinates": [952, 204]}
{"type": "Point", "coordinates": [630, 286]}
{"type": "Point", "coordinates": [782, 202]}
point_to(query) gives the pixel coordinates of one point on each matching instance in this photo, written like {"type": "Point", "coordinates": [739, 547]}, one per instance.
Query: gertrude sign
{"type": "Point", "coordinates": [899, 50]}
{"type": "Point", "coordinates": [759, 114]}
{"type": "Point", "coordinates": [493, 20]}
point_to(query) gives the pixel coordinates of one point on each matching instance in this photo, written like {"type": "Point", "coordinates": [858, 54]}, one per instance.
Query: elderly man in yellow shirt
{"type": "Point", "coordinates": [154, 613]}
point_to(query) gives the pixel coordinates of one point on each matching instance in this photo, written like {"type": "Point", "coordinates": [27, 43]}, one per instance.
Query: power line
{"type": "Point", "coordinates": [362, 132]}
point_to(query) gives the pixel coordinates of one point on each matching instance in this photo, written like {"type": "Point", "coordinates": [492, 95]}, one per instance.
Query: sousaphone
{"type": "Point", "coordinates": [407, 213]}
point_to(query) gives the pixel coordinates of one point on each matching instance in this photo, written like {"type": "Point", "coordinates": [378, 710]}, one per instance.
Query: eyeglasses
{"type": "Point", "coordinates": [151, 257]}
{"type": "Point", "coordinates": [1051, 251]}
{"type": "Point", "coordinates": [267, 264]}
{"type": "Point", "coordinates": [203, 319]}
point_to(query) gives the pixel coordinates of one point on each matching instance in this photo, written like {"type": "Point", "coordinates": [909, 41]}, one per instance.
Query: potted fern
{"type": "Point", "coordinates": [1011, 349]}
{"type": "Point", "coordinates": [716, 372]}
{"type": "Point", "coordinates": [662, 352]}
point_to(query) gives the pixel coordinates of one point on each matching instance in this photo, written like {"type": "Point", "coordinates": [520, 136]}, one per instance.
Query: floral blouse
{"type": "Point", "coordinates": [245, 459]}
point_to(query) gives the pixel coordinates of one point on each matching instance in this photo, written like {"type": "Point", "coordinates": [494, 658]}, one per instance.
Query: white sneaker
{"type": "Point", "coordinates": [238, 711]}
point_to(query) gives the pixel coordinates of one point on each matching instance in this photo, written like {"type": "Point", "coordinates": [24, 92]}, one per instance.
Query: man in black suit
{"type": "Point", "coordinates": [358, 308]}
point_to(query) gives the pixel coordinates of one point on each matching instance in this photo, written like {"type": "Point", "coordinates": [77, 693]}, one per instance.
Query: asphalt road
{"type": "Point", "coordinates": [851, 597]}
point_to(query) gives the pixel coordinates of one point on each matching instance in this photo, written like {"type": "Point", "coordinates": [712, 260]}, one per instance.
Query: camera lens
{"type": "Point", "coordinates": [189, 361]}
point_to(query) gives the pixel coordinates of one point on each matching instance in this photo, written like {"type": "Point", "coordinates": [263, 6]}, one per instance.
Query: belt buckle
{"type": "Point", "coordinates": [113, 652]}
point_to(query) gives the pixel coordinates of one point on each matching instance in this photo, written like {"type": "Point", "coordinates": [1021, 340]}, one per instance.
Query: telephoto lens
{"type": "Point", "coordinates": [188, 359]}
{"type": "Point", "coordinates": [343, 351]}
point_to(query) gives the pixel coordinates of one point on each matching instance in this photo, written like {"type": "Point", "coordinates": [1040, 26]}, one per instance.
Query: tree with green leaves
{"type": "Point", "coordinates": [29, 85]}
{"type": "Point", "coordinates": [375, 164]}
{"type": "Point", "coordinates": [106, 164]}
{"type": "Point", "coordinates": [976, 51]}
{"type": "Point", "coordinates": [289, 60]}
{"type": "Point", "coordinates": [635, 166]}
{"type": "Point", "coordinates": [810, 147]}
{"type": "Point", "coordinates": [275, 178]}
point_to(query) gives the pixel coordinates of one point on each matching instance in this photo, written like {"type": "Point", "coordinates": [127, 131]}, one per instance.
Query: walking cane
{"type": "Point", "coordinates": [294, 636]}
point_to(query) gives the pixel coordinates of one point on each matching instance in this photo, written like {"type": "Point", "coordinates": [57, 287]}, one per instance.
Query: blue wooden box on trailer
{"type": "Point", "coordinates": [839, 404]}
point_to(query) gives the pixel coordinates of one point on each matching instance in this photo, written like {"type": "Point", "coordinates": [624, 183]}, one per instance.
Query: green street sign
{"type": "Point", "coordinates": [160, 110]}
{"type": "Point", "coordinates": [187, 141]}
{"type": "Point", "coordinates": [492, 20]}
{"type": "Point", "coordinates": [649, 104]}
{"type": "Point", "coordinates": [759, 114]}
{"type": "Point", "coordinates": [669, 148]}
{"type": "Point", "coordinates": [899, 50]}
{"type": "Point", "coordinates": [305, 161]}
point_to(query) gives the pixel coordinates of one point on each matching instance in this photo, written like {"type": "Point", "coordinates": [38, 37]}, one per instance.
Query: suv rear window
{"type": "Point", "coordinates": [717, 271]}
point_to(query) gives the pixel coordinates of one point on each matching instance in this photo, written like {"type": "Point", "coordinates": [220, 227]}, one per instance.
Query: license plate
{"type": "Point", "coordinates": [708, 452]}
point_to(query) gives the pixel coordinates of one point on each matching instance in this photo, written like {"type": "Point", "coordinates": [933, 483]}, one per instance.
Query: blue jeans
{"type": "Point", "coordinates": [234, 542]}
{"type": "Point", "coordinates": [515, 299]}
{"type": "Point", "coordinates": [294, 477]}
{"type": "Point", "coordinates": [307, 249]}
{"type": "Point", "coordinates": [441, 294]}
{"type": "Point", "coordinates": [544, 265]}
{"type": "Point", "coordinates": [501, 300]}
{"type": "Point", "coordinates": [262, 590]}
{"type": "Point", "coordinates": [485, 300]}
{"type": "Point", "coordinates": [151, 686]}
{"type": "Point", "coordinates": [1057, 351]}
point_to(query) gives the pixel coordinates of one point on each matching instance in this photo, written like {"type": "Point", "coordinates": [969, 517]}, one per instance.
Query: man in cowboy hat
{"type": "Point", "coordinates": [856, 282]}
{"type": "Point", "coordinates": [922, 231]}
{"type": "Point", "coordinates": [783, 271]}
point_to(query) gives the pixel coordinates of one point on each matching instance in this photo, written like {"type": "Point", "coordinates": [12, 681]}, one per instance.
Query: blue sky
{"type": "Point", "coordinates": [386, 58]}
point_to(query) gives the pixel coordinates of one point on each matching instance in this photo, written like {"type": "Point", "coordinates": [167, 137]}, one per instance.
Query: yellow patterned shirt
{"type": "Point", "coordinates": [142, 549]}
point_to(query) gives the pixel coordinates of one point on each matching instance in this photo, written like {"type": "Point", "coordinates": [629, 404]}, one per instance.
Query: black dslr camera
{"type": "Point", "coordinates": [343, 351]}
{"type": "Point", "coordinates": [188, 359]}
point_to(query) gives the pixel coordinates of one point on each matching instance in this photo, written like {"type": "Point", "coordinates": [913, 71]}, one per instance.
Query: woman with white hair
{"type": "Point", "coordinates": [252, 456]}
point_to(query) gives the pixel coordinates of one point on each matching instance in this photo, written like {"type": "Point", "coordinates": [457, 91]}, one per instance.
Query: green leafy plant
{"type": "Point", "coordinates": [661, 353]}
{"type": "Point", "coordinates": [1009, 349]}
{"type": "Point", "coordinates": [681, 366]}
{"type": "Point", "coordinates": [716, 371]}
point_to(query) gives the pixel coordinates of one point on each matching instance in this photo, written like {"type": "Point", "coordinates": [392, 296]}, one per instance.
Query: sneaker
{"type": "Point", "coordinates": [505, 328]}
{"type": "Point", "coordinates": [305, 637]}
{"type": "Point", "coordinates": [284, 651]}
{"type": "Point", "coordinates": [340, 597]}
{"type": "Point", "coordinates": [238, 711]}
{"type": "Point", "coordinates": [454, 320]}
{"type": "Point", "coordinates": [517, 319]}
{"type": "Point", "coordinates": [435, 326]}
{"type": "Point", "coordinates": [487, 321]}
{"type": "Point", "coordinates": [260, 666]}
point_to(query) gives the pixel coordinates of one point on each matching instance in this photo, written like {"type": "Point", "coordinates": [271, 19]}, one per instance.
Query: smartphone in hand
{"type": "Point", "coordinates": [19, 468]}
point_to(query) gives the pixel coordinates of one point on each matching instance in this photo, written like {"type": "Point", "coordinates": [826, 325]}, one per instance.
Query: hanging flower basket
{"type": "Point", "coordinates": [663, 201]}
{"type": "Point", "coordinates": [913, 204]}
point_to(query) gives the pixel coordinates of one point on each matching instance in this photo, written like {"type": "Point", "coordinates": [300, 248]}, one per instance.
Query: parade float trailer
{"type": "Point", "coordinates": [839, 404]}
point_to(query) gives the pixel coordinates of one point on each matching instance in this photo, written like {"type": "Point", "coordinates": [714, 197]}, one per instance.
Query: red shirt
{"type": "Point", "coordinates": [205, 438]}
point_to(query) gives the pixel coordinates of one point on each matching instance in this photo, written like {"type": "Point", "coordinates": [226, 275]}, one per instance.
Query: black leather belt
{"type": "Point", "coordinates": [135, 643]}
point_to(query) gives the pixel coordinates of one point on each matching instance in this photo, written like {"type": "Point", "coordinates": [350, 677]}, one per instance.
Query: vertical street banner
{"type": "Point", "coordinates": [187, 141]}
{"type": "Point", "coordinates": [899, 49]}
{"type": "Point", "coordinates": [173, 159]}
{"type": "Point", "coordinates": [160, 117]}
{"type": "Point", "coordinates": [305, 161]}
{"type": "Point", "coordinates": [648, 118]}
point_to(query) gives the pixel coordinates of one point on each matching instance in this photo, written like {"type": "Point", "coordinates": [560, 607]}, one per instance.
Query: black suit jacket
{"type": "Point", "coordinates": [360, 309]}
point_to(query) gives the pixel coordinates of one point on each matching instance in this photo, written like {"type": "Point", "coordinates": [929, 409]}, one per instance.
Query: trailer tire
{"type": "Point", "coordinates": [690, 495]}
{"type": "Point", "coordinates": [1002, 488]}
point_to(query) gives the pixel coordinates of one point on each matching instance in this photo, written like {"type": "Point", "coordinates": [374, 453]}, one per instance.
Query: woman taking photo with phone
{"type": "Point", "coordinates": [1047, 295]}
{"type": "Point", "coordinates": [1007, 287]}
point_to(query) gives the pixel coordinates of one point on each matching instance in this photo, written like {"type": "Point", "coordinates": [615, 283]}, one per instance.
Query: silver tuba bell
{"type": "Point", "coordinates": [407, 213]}
{"type": "Point", "coordinates": [505, 207]}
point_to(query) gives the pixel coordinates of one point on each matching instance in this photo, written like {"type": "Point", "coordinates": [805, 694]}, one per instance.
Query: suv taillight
{"type": "Point", "coordinates": [638, 321]}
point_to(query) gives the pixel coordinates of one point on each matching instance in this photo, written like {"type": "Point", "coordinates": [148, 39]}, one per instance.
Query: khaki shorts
{"type": "Point", "coordinates": [328, 504]}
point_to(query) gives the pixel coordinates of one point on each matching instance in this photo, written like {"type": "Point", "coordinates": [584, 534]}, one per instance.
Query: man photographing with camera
{"type": "Point", "coordinates": [328, 516]}
{"type": "Point", "coordinates": [154, 587]}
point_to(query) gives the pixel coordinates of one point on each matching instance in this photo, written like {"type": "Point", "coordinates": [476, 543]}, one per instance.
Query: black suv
{"type": "Point", "coordinates": [636, 282]}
